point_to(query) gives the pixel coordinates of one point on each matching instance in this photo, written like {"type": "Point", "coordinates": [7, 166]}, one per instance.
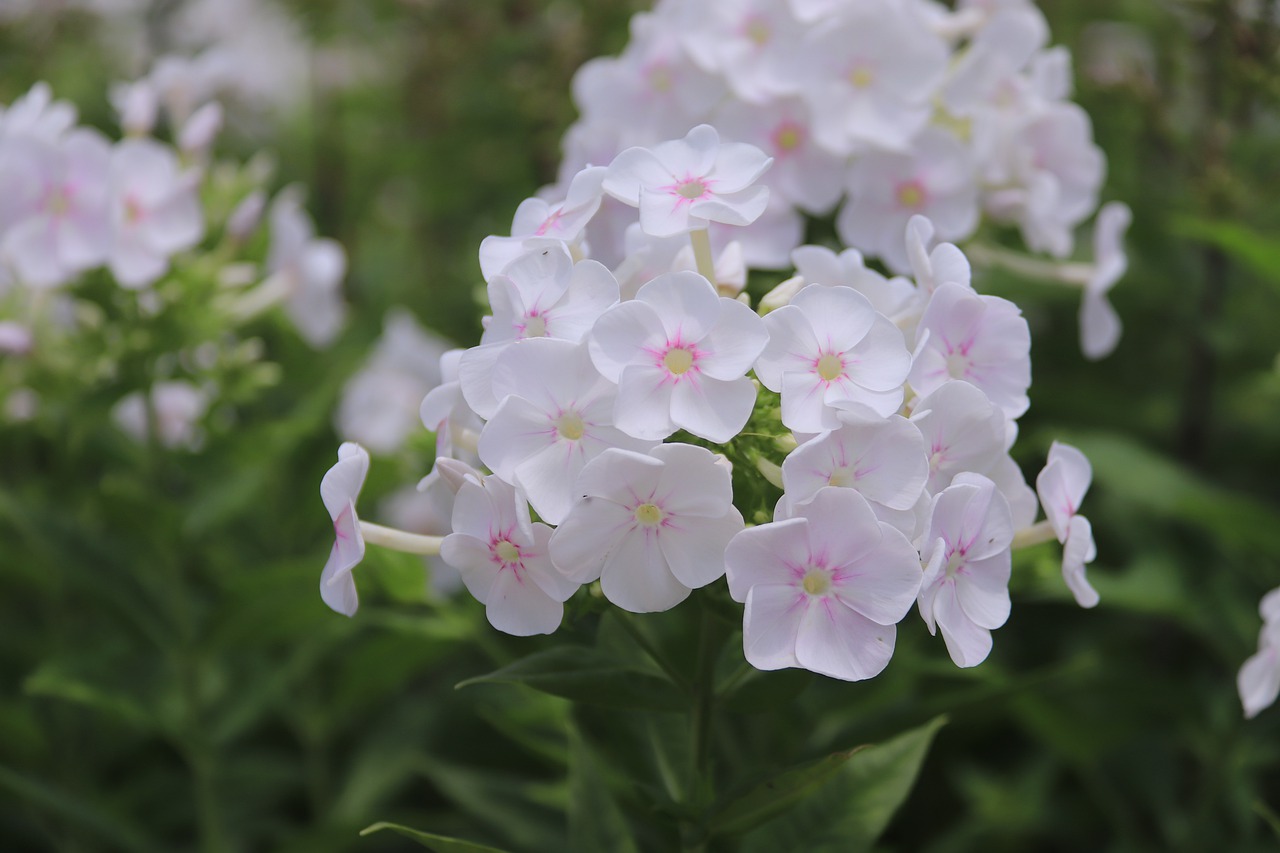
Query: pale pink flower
{"type": "Point", "coordinates": [1062, 485]}
{"type": "Point", "coordinates": [650, 527]}
{"type": "Point", "coordinates": [823, 589]}
{"type": "Point", "coordinates": [339, 490]}
{"type": "Point", "coordinates": [679, 354]}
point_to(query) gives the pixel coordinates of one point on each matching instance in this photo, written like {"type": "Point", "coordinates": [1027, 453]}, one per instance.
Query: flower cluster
{"type": "Point", "coordinates": [101, 237]}
{"type": "Point", "coordinates": [862, 424]}
{"type": "Point", "coordinates": [884, 109]}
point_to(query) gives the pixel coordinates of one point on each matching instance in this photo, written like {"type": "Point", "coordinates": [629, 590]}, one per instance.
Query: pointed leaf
{"type": "Point", "coordinates": [595, 821]}
{"type": "Point", "coordinates": [853, 809]}
{"type": "Point", "coordinates": [587, 675]}
{"type": "Point", "coordinates": [438, 843]}
{"type": "Point", "coordinates": [778, 794]}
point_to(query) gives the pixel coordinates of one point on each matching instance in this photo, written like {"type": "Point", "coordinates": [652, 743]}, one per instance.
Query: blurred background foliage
{"type": "Point", "coordinates": [170, 680]}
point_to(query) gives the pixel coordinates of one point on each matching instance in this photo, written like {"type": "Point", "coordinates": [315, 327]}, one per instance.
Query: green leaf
{"type": "Point", "coordinates": [439, 843]}
{"type": "Point", "coordinates": [108, 827]}
{"type": "Point", "coordinates": [595, 821]}
{"type": "Point", "coordinates": [587, 675]}
{"type": "Point", "coordinates": [853, 809]}
{"type": "Point", "coordinates": [1259, 252]}
{"type": "Point", "coordinates": [51, 681]}
{"type": "Point", "coordinates": [775, 796]}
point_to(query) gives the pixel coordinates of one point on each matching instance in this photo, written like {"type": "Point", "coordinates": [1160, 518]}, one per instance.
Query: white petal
{"type": "Point", "coordinates": [834, 640]}
{"type": "Point", "coordinates": [770, 624]}
{"type": "Point", "coordinates": [636, 576]}
{"type": "Point", "coordinates": [713, 409]}
{"type": "Point", "coordinates": [582, 544]}
{"type": "Point", "coordinates": [1259, 681]}
{"type": "Point", "coordinates": [774, 553]}
{"type": "Point", "coordinates": [694, 547]}
{"type": "Point", "coordinates": [518, 606]}
{"type": "Point", "coordinates": [1078, 550]}
{"type": "Point", "coordinates": [967, 643]}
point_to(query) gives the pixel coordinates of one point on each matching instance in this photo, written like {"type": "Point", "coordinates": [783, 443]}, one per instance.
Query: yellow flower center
{"type": "Point", "coordinates": [507, 552]}
{"type": "Point", "coordinates": [758, 31]}
{"type": "Point", "coordinates": [692, 189]}
{"type": "Point", "coordinates": [957, 364]}
{"type": "Point", "coordinates": [649, 515]}
{"type": "Point", "coordinates": [535, 327]}
{"type": "Point", "coordinates": [816, 581]}
{"type": "Point", "coordinates": [911, 195]}
{"type": "Point", "coordinates": [569, 425]}
{"type": "Point", "coordinates": [788, 138]}
{"type": "Point", "coordinates": [830, 366]}
{"type": "Point", "coordinates": [660, 79]}
{"type": "Point", "coordinates": [678, 360]}
{"type": "Point", "coordinates": [861, 77]}
{"type": "Point", "coordinates": [842, 477]}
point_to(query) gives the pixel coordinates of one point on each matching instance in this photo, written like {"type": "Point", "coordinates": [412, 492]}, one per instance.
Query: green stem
{"type": "Point", "coordinates": [700, 712]}
{"type": "Point", "coordinates": [701, 241]}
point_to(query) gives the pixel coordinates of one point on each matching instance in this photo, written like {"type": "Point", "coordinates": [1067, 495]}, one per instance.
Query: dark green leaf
{"type": "Point", "coordinates": [595, 821]}
{"type": "Point", "coordinates": [587, 675]}
{"type": "Point", "coordinates": [439, 843]}
{"type": "Point", "coordinates": [73, 809]}
{"type": "Point", "coordinates": [853, 809]}
{"type": "Point", "coordinates": [775, 796]}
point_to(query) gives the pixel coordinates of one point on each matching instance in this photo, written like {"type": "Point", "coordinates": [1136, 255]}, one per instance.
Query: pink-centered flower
{"type": "Point", "coordinates": [830, 345]}
{"type": "Point", "coordinates": [1062, 485]}
{"type": "Point", "coordinates": [155, 211]}
{"type": "Point", "coordinates": [339, 490]}
{"type": "Point", "coordinates": [823, 589]}
{"type": "Point", "coordinates": [679, 354]}
{"type": "Point", "coordinates": [555, 416]}
{"type": "Point", "coordinates": [684, 184]}
{"type": "Point", "coordinates": [502, 557]}
{"type": "Point", "coordinates": [967, 563]}
{"type": "Point", "coordinates": [650, 527]}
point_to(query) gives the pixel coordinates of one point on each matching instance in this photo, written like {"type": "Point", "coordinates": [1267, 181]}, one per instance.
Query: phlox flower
{"type": "Point", "coordinates": [155, 211]}
{"type": "Point", "coordinates": [962, 432]}
{"type": "Point", "coordinates": [803, 173]}
{"type": "Point", "coordinates": [933, 265]}
{"type": "Point", "coordinates": [36, 114]}
{"type": "Point", "coordinates": [934, 178]}
{"type": "Point", "coordinates": [444, 409]}
{"type": "Point", "coordinates": [310, 268]}
{"type": "Point", "coordinates": [653, 89]}
{"type": "Point", "coordinates": [883, 459]}
{"type": "Point", "coordinates": [502, 557]}
{"type": "Point", "coordinates": [1062, 485]}
{"type": "Point", "coordinates": [556, 415]}
{"type": "Point", "coordinates": [339, 490]}
{"type": "Point", "coordinates": [749, 42]}
{"type": "Point", "coordinates": [892, 297]}
{"type": "Point", "coordinates": [679, 354]}
{"type": "Point", "coordinates": [179, 406]}
{"type": "Point", "coordinates": [967, 563]}
{"type": "Point", "coordinates": [823, 589]}
{"type": "Point", "coordinates": [650, 527]}
{"type": "Point", "coordinates": [537, 220]}
{"type": "Point", "coordinates": [542, 293]}
{"type": "Point", "coordinates": [869, 77]}
{"type": "Point", "coordinates": [683, 184]}
{"type": "Point", "coordinates": [1259, 679]}
{"type": "Point", "coordinates": [54, 206]}
{"type": "Point", "coordinates": [830, 345]}
{"type": "Point", "coordinates": [767, 242]}
{"type": "Point", "coordinates": [1099, 323]}
{"type": "Point", "coordinates": [983, 340]}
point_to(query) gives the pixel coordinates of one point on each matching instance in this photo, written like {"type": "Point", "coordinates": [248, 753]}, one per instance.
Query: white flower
{"type": "Point", "coordinates": [155, 211]}
{"type": "Point", "coordinates": [882, 458]}
{"type": "Point", "coordinates": [1062, 485]}
{"type": "Point", "coordinates": [36, 114]}
{"type": "Point", "coordinates": [1099, 323]}
{"type": "Point", "coordinates": [830, 345]}
{"type": "Point", "coordinates": [803, 173]}
{"type": "Point", "coordinates": [651, 528]}
{"type": "Point", "coordinates": [502, 557]}
{"type": "Point", "coordinates": [870, 77]}
{"type": "Point", "coordinates": [683, 184]}
{"type": "Point", "coordinates": [179, 407]}
{"type": "Point", "coordinates": [679, 353]}
{"type": "Point", "coordinates": [555, 416]}
{"type": "Point", "coordinates": [892, 297]}
{"type": "Point", "coordinates": [339, 490]}
{"type": "Point", "coordinates": [311, 269]}
{"type": "Point", "coordinates": [983, 340]}
{"type": "Point", "coordinates": [53, 206]}
{"type": "Point", "coordinates": [962, 432]}
{"type": "Point", "coordinates": [933, 265]}
{"type": "Point", "coordinates": [823, 589]}
{"type": "Point", "coordinates": [751, 43]}
{"type": "Point", "coordinates": [1259, 680]}
{"type": "Point", "coordinates": [934, 178]}
{"type": "Point", "coordinates": [444, 409]}
{"type": "Point", "coordinates": [537, 221]}
{"type": "Point", "coordinates": [967, 559]}
{"type": "Point", "coordinates": [542, 293]}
